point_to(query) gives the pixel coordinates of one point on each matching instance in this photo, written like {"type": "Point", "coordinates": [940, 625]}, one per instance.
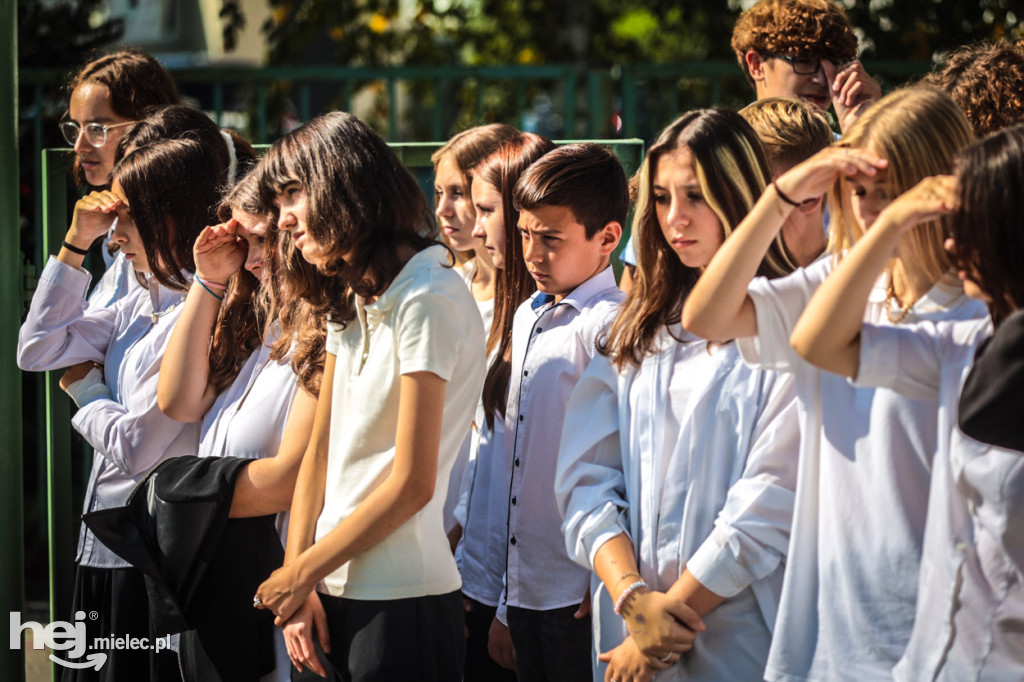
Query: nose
{"type": "Point", "coordinates": [478, 228]}
{"type": "Point", "coordinates": [285, 219]}
{"type": "Point", "coordinates": [677, 215]}
{"type": "Point", "coordinates": [119, 236]}
{"type": "Point", "coordinates": [254, 259]}
{"type": "Point", "coordinates": [81, 144]}
{"type": "Point", "coordinates": [445, 205]}
{"type": "Point", "coordinates": [531, 252]}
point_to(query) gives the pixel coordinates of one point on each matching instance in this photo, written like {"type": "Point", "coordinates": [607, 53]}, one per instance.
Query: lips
{"type": "Point", "coordinates": [448, 230]}
{"type": "Point", "coordinates": [682, 242]}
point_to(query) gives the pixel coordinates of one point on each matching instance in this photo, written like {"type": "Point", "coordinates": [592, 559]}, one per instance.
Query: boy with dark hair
{"type": "Point", "coordinates": [804, 49]}
{"type": "Point", "coordinates": [573, 202]}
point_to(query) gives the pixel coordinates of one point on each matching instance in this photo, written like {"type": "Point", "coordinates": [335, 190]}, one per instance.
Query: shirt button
{"type": "Point", "coordinates": [513, 500]}
{"type": "Point", "coordinates": [517, 461]}
{"type": "Point", "coordinates": [522, 417]}
{"type": "Point", "coordinates": [540, 329]}
{"type": "Point", "coordinates": [526, 372]}
{"type": "Point", "coordinates": [513, 540]}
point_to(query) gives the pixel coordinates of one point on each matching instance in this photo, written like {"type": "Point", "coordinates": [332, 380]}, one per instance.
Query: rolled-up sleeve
{"type": "Point", "coordinates": [751, 533]}
{"type": "Point", "coordinates": [57, 331]}
{"type": "Point", "coordinates": [590, 486]}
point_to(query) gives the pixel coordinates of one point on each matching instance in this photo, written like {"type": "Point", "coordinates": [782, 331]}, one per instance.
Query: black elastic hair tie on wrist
{"type": "Point", "coordinates": [74, 249]}
{"type": "Point", "coordinates": [783, 196]}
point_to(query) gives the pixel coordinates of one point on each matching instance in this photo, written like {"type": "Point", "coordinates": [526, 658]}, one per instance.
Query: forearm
{"type": "Point", "coordinates": [718, 306]}
{"type": "Point", "coordinates": [184, 392]}
{"type": "Point", "coordinates": [615, 565]}
{"type": "Point", "coordinates": [699, 598]}
{"type": "Point", "coordinates": [828, 332]}
{"type": "Point", "coordinates": [408, 487]}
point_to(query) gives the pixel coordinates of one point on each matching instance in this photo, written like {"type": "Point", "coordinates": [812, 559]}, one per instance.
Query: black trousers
{"type": "Point", "coordinates": [421, 639]}
{"type": "Point", "coordinates": [480, 667]}
{"type": "Point", "coordinates": [551, 646]}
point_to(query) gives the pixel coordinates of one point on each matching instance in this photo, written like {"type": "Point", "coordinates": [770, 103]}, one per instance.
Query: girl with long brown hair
{"type": "Point", "coordinates": [678, 462]}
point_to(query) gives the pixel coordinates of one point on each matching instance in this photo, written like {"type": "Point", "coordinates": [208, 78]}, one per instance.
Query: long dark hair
{"type": "Point", "coordinates": [173, 189]}
{"type": "Point", "coordinates": [514, 283]}
{"type": "Point", "coordinates": [135, 81]}
{"type": "Point", "coordinates": [987, 226]}
{"type": "Point", "coordinates": [362, 203]}
{"type": "Point", "coordinates": [732, 171]}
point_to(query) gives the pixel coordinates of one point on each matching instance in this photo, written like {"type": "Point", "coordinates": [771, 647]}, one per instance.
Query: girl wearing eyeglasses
{"type": "Point", "coordinates": [106, 97]}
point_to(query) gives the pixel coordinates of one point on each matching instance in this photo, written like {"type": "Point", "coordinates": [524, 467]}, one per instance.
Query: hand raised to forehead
{"type": "Point", "coordinates": [852, 89]}
{"type": "Point", "coordinates": [219, 252]}
{"type": "Point", "coordinates": [94, 214]}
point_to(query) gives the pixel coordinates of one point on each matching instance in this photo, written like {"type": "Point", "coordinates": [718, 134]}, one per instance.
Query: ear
{"type": "Point", "coordinates": [755, 66]}
{"type": "Point", "coordinates": [609, 236]}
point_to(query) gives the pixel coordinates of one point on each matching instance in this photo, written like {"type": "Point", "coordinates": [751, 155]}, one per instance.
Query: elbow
{"type": "Point", "coordinates": [416, 495]}
{"type": "Point", "coordinates": [804, 348]}
{"type": "Point", "coordinates": [177, 409]}
{"type": "Point", "coordinates": [694, 320]}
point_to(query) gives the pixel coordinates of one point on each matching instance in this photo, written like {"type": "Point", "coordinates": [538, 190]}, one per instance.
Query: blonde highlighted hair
{"type": "Point", "coordinates": [790, 130]}
{"type": "Point", "coordinates": [918, 130]}
{"type": "Point", "coordinates": [732, 172]}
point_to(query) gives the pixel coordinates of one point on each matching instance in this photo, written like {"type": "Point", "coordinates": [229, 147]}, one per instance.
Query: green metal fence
{"type": "Point", "coordinates": [57, 407]}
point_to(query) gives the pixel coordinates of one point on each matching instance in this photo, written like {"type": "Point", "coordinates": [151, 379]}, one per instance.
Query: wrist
{"type": "Point", "coordinates": [79, 241]}
{"type": "Point", "coordinates": [213, 282]}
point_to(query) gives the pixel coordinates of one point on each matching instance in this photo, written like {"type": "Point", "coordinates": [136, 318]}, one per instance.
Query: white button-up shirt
{"type": "Point", "coordinates": [552, 344]}
{"type": "Point", "coordinates": [704, 482]}
{"type": "Point", "coordinates": [129, 433]}
{"type": "Point", "coordinates": [970, 613]}
{"type": "Point", "coordinates": [851, 580]}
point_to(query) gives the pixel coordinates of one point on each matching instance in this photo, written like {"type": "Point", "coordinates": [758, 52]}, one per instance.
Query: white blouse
{"type": "Point", "coordinates": [703, 482]}
{"type": "Point", "coordinates": [971, 612]}
{"type": "Point", "coordinates": [851, 580]}
{"type": "Point", "coordinates": [129, 433]}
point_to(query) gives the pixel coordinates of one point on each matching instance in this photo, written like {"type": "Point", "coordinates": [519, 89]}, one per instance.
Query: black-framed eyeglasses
{"type": "Point", "coordinates": [95, 133]}
{"type": "Point", "coordinates": [804, 66]}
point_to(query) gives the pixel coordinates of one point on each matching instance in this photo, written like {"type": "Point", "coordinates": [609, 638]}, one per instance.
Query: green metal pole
{"type": "Point", "coordinates": [60, 517]}
{"type": "Point", "coordinates": [12, 565]}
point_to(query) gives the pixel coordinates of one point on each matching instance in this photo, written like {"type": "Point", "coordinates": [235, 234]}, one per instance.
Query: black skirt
{"type": "Point", "coordinates": [116, 612]}
{"type": "Point", "coordinates": [421, 639]}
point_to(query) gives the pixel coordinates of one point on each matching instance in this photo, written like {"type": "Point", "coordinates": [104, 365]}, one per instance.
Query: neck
{"type": "Point", "coordinates": [909, 285]}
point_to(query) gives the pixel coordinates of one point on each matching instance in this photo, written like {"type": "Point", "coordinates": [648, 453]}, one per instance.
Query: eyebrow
{"type": "Point", "coordinates": [686, 187]}
{"type": "Point", "coordinates": [540, 229]}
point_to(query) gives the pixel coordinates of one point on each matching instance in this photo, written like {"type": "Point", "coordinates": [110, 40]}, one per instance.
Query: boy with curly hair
{"type": "Point", "coordinates": [804, 49]}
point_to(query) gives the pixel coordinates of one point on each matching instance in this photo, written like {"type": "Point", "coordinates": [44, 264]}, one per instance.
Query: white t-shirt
{"type": "Point", "coordinates": [426, 321]}
{"type": "Point", "coordinates": [850, 588]}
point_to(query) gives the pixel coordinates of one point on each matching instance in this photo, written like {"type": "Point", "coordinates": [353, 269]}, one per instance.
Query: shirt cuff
{"type": "Point", "coordinates": [715, 567]}
{"type": "Point", "coordinates": [64, 276]}
{"type": "Point", "coordinates": [89, 388]}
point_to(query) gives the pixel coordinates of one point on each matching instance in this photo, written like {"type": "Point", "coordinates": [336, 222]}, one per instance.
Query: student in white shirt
{"type": "Point", "coordinates": [107, 95]}
{"type": "Point", "coordinates": [453, 207]}
{"type": "Point", "coordinates": [969, 611]}
{"type": "Point", "coordinates": [851, 580]}
{"type": "Point", "coordinates": [368, 567]}
{"type": "Point", "coordinates": [678, 462]}
{"type": "Point", "coordinates": [115, 355]}
{"type": "Point", "coordinates": [572, 205]}
{"type": "Point", "coordinates": [482, 512]}
{"type": "Point", "coordinates": [229, 364]}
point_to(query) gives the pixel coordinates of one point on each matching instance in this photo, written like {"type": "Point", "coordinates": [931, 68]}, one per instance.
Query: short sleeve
{"type": "Point", "coordinates": [778, 304]}
{"type": "Point", "coordinates": [906, 359]}
{"type": "Point", "coordinates": [433, 332]}
{"type": "Point", "coordinates": [333, 338]}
